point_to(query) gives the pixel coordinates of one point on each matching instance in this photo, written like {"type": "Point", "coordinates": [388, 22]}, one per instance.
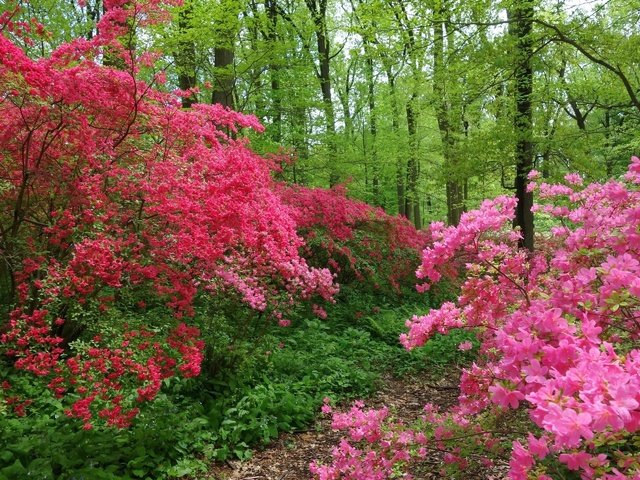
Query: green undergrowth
{"type": "Point", "coordinates": [276, 384]}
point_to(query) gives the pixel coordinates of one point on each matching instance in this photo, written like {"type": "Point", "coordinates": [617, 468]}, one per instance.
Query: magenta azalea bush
{"type": "Point", "coordinates": [359, 243]}
{"type": "Point", "coordinates": [108, 190]}
{"type": "Point", "coordinates": [559, 332]}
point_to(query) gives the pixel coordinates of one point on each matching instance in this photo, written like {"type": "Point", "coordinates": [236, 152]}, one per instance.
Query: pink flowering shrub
{"type": "Point", "coordinates": [356, 241]}
{"type": "Point", "coordinates": [110, 191]}
{"type": "Point", "coordinates": [558, 328]}
{"type": "Point", "coordinates": [396, 445]}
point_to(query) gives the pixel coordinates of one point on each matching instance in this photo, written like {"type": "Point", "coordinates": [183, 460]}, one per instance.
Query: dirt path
{"type": "Point", "coordinates": [288, 458]}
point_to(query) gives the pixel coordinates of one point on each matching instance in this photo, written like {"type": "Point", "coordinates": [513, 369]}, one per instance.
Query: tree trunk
{"type": "Point", "coordinates": [413, 170]}
{"type": "Point", "coordinates": [274, 72]}
{"type": "Point", "coordinates": [318, 10]}
{"type": "Point", "coordinates": [373, 127]}
{"type": "Point", "coordinates": [185, 58]}
{"type": "Point", "coordinates": [300, 144]}
{"type": "Point", "coordinates": [224, 77]}
{"type": "Point", "coordinates": [395, 125]}
{"type": "Point", "coordinates": [412, 198]}
{"type": "Point", "coordinates": [454, 188]}
{"type": "Point", "coordinates": [521, 17]}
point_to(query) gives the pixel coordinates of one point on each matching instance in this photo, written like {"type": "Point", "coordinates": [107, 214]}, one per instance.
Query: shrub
{"type": "Point", "coordinates": [111, 192]}
{"type": "Point", "coordinates": [558, 332]}
{"type": "Point", "coordinates": [356, 241]}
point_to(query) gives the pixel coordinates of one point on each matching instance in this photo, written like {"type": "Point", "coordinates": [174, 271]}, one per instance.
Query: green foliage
{"type": "Point", "coordinates": [46, 444]}
{"type": "Point", "coordinates": [255, 415]}
{"type": "Point", "coordinates": [259, 380]}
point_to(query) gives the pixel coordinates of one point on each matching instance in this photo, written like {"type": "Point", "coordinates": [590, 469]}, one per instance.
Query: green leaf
{"type": "Point", "coordinates": [16, 470]}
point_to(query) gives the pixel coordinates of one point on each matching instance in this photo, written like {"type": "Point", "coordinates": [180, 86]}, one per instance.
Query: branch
{"type": "Point", "coordinates": [616, 70]}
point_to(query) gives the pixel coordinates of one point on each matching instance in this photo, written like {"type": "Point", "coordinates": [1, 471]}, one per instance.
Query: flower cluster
{"type": "Point", "coordinates": [394, 446]}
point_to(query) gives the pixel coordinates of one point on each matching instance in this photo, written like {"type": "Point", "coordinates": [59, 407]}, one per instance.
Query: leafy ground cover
{"type": "Point", "coordinates": [278, 387]}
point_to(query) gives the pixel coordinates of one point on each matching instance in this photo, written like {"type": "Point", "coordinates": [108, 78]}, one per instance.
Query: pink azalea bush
{"type": "Point", "coordinates": [559, 332]}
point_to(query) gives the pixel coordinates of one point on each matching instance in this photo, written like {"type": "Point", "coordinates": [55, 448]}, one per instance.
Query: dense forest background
{"type": "Point", "coordinates": [423, 108]}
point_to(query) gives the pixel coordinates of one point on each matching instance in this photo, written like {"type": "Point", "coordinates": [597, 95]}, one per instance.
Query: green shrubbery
{"type": "Point", "coordinates": [255, 386]}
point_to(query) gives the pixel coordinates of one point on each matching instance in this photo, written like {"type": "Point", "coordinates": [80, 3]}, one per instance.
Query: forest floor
{"type": "Point", "coordinates": [288, 458]}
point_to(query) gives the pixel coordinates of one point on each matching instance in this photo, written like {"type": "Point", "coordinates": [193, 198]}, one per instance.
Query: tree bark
{"type": "Point", "coordinates": [185, 58]}
{"type": "Point", "coordinates": [318, 10]}
{"type": "Point", "coordinates": [373, 126]}
{"type": "Point", "coordinates": [412, 197]}
{"type": "Point", "coordinates": [413, 170]}
{"type": "Point", "coordinates": [395, 125]}
{"type": "Point", "coordinates": [521, 16]}
{"type": "Point", "coordinates": [454, 187]}
{"type": "Point", "coordinates": [271, 7]}
{"type": "Point", "coordinates": [224, 77]}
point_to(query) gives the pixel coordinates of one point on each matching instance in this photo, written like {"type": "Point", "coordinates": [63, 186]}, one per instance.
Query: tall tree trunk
{"type": "Point", "coordinates": [185, 57]}
{"type": "Point", "coordinates": [224, 77]}
{"type": "Point", "coordinates": [224, 53]}
{"type": "Point", "coordinates": [413, 169]}
{"type": "Point", "coordinates": [300, 144]}
{"type": "Point", "coordinates": [368, 37]}
{"type": "Point", "coordinates": [373, 126]}
{"type": "Point", "coordinates": [395, 125]}
{"type": "Point", "coordinates": [447, 128]}
{"type": "Point", "coordinates": [412, 197]}
{"type": "Point", "coordinates": [344, 95]}
{"type": "Point", "coordinates": [521, 17]}
{"type": "Point", "coordinates": [271, 7]}
{"type": "Point", "coordinates": [318, 10]}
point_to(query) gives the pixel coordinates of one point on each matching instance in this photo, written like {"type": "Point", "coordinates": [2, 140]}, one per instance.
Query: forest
{"type": "Point", "coordinates": [319, 239]}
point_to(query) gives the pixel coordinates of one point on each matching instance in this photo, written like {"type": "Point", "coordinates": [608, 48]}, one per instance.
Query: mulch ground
{"type": "Point", "coordinates": [289, 457]}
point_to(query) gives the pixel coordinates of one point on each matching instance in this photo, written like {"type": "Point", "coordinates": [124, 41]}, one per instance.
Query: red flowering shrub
{"type": "Point", "coordinates": [357, 241]}
{"type": "Point", "coordinates": [559, 337]}
{"type": "Point", "coordinates": [108, 189]}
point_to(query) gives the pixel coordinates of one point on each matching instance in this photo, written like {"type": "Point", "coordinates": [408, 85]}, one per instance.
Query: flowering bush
{"type": "Point", "coordinates": [354, 240]}
{"type": "Point", "coordinates": [558, 329]}
{"type": "Point", "coordinates": [395, 445]}
{"type": "Point", "coordinates": [110, 191]}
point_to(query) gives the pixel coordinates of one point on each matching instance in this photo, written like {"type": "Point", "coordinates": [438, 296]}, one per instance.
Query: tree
{"type": "Point", "coordinates": [447, 107]}
{"type": "Point", "coordinates": [521, 16]}
{"type": "Point", "coordinates": [318, 11]}
{"type": "Point", "coordinates": [410, 45]}
{"type": "Point", "coordinates": [185, 56]}
{"type": "Point", "coordinates": [224, 55]}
